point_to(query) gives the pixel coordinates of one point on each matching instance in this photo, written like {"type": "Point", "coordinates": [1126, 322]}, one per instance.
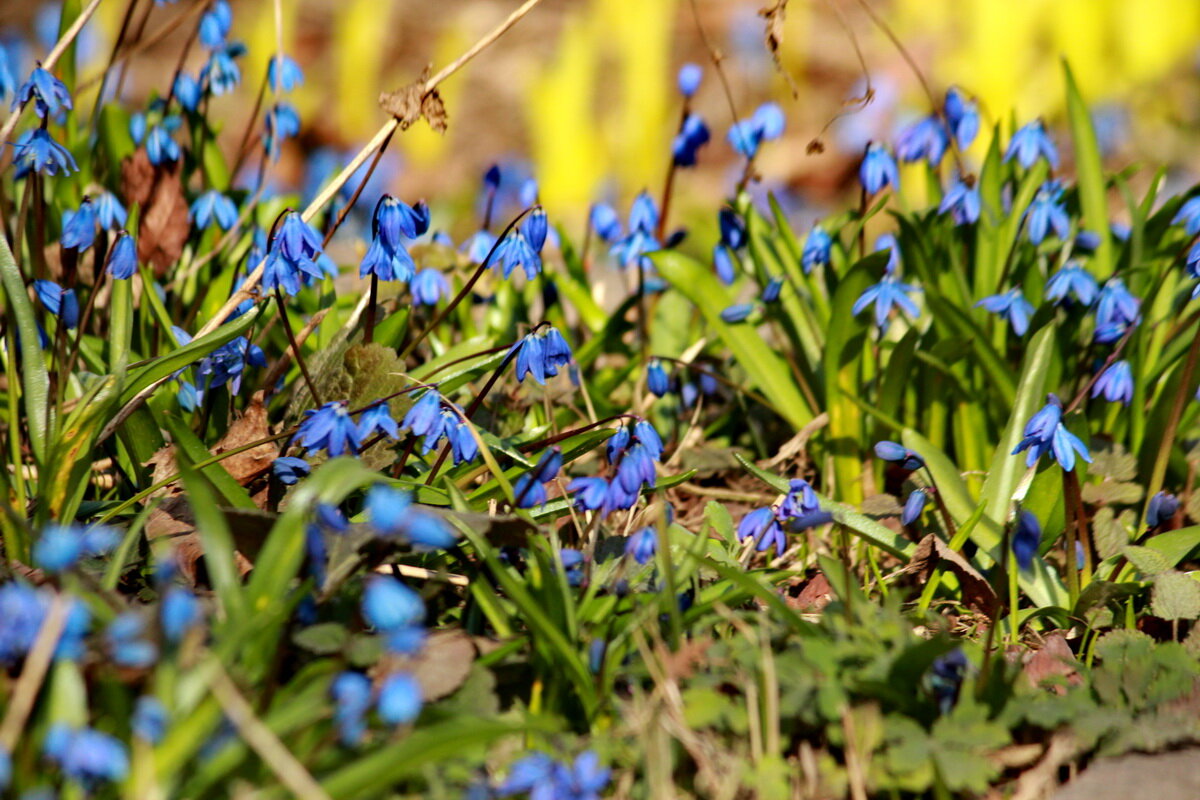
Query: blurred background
{"type": "Point", "coordinates": [581, 94]}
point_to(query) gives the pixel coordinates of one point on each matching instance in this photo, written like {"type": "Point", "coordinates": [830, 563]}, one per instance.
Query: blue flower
{"type": "Point", "coordinates": [79, 227]}
{"type": "Point", "coordinates": [962, 114]}
{"type": "Point", "coordinates": [1162, 507]}
{"type": "Point", "coordinates": [48, 93]}
{"type": "Point", "coordinates": [799, 501]}
{"type": "Point", "coordinates": [605, 222]}
{"type": "Point", "coordinates": [657, 380]}
{"type": "Point", "coordinates": [1027, 537]}
{"type": "Point", "coordinates": [149, 720]}
{"type": "Point", "coordinates": [87, 756]}
{"type": "Point", "coordinates": [693, 134]}
{"type": "Point", "coordinates": [1012, 306]}
{"type": "Point", "coordinates": [689, 79]}
{"type": "Point", "coordinates": [548, 465]}
{"type": "Point", "coordinates": [723, 264]}
{"type": "Point", "coordinates": [878, 169]}
{"type": "Point", "coordinates": [109, 211]}
{"type": "Point", "coordinates": [1048, 211]}
{"type": "Point", "coordinates": [766, 124]}
{"type": "Point", "coordinates": [1030, 143]}
{"type": "Point", "coordinates": [429, 287]}
{"type": "Point", "coordinates": [523, 246]}
{"type": "Point", "coordinates": [126, 644]}
{"type": "Point", "coordinates": [1075, 280]}
{"type": "Point", "coordinates": [591, 494]}
{"type": "Point", "coordinates": [736, 313]}
{"type": "Point", "coordinates": [541, 353]}
{"type": "Point", "coordinates": [1115, 383]}
{"type": "Point", "coordinates": [889, 293]}
{"type": "Point", "coordinates": [1189, 215]}
{"type": "Point", "coordinates": [913, 507]}
{"type": "Point", "coordinates": [329, 428]}
{"type": "Point", "coordinates": [641, 239]}
{"type": "Point", "coordinates": [387, 604]}
{"type": "Point", "coordinates": [62, 303]}
{"type": "Point", "coordinates": [817, 248]}
{"type": "Point", "coordinates": [771, 292]}
{"type": "Point", "coordinates": [137, 127]}
{"type": "Point", "coordinates": [478, 245]}
{"type": "Point", "coordinates": [221, 73]}
{"type": "Point", "coordinates": [1046, 433]}
{"type": "Point", "coordinates": [23, 610]}
{"type": "Point", "coordinates": [1116, 305]}
{"type": "Point", "coordinates": [889, 243]}
{"type": "Point", "coordinates": [61, 546]}
{"type": "Point", "coordinates": [947, 677]}
{"type": "Point", "coordinates": [179, 613]}
{"type": "Point", "coordinates": [762, 525]}
{"type": "Point", "coordinates": [284, 73]}
{"type": "Point", "coordinates": [732, 227]}
{"type": "Point", "coordinates": [295, 249]}
{"type": "Point", "coordinates": [392, 514]}
{"type": "Point", "coordinates": [899, 454]}
{"type": "Point", "coordinates": [36, 151]}
{"type": "Point", "coordinates": [545, 779]}
{"type": "Point", "coordinates": [399, 699]}
{"type": "Point", "coordinates": [122, 259]}
{"type": "Point", "coordinates": [962, 201]}
{"type": "Point", "coordinates": [5, 758]}
{"type": "Point", "coordinates": [377, 418]}
{"type": "Point", "coordinates": [186, 90]}
{"type": "Point", "coordinates": [210, 207]}
{"type": "Point", "coordinates": [290, 470]}
{"type": "Point", "coordinates": [425, 416]}
{"type": "Point", "coordinates": [394, 221]}
{"type": "Point", "coordinates": [647, 437]}
{"type": "Point", "coordinates": [8, 85]}
{"type": "Point", "coordinates": [924, 140]}
{"type": "Point", "coordinates": [215, 25]}
{"type": "Point", "coordinates": [160, 146]}
{"type": "Point", "coordinates": [352, 699]}
{"type": "Point", "coordinates": [281, 122]}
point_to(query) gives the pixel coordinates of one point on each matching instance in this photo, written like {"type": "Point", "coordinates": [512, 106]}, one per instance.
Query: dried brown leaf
{"type": "Point", "coordinates": [1053, 659]}
{"type": "Point", "coordinates": [932, 552]}
{"type": "Point", "coordinates": [163, 227]}
{"type": "Point", "coordinates": [250, 427]}
{"type": "Point", "coordinates": [443, 665]}
{"type": "Point", "coordinates": [409, 103]}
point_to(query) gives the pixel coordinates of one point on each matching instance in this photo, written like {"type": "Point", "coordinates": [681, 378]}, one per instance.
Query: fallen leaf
{"type": "Point", "coordinates": [163, 225]}
{"type": "Point", "coordinates": [815, 594]}
{"type": "Point", "coordinates": [249, 427]}
{"type": "Point", "coordinates": [932, 552]}
{"type": "Point", "coordinates": [1053, 659]}
{"type": "Point", "coordinates": [442, 666]}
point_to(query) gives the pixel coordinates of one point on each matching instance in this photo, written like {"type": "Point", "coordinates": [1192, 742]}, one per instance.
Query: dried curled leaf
{"type": "Point", "coordinates": [163, 227]}
{"type": "Point", "coordinates": [932, 552]}
{"type": "Point", "coordinates": [409, 103]}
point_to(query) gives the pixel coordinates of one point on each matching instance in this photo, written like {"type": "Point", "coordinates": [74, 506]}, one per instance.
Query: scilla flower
{"type": "Point", "coordinates": [1027, 537]}
{"type": "Point", "coordinates": [394, 222]}
{"type": "Point", "coordinates": [924, 140]}
{"type": "Point", "coordinates": [1011, 306]}
{"type": "Point", "coordinates": [1115, 383]}
{"type": "Point", "coordinates": [210, 207]}
{"type": "Point", "coordinates": [48, 93]}
{"type": "Point", "coordinates": [1030, 143]}
{"type": "Point", "coordinates": [284, 73]}
{"type": "Point", "coordinates": [429, 286]}
{"type": "Point", "coordinates": [887, 295]}
{"type": "Point", "coordinates": [36, 151]}
{"type": "Point", "coordinates": [766, 124]}
{"type": "Point", "coordinates": [541, 353]}
{"type": "Point", "coordinates": [1046, 433]}
{"type": "Point", "coordinates": [295, 250]}
{"type": "Point", "coordinates": [913, 507]}
{"type": "Point", "coordinates": [878, 169]}
{"type": "Point", "coordinates": [693, 135]}
{"type": "Point", "coordinates": [899, 454]}
{"type": "Point", "coordinates": [689, 79]}
{"type": "Point", "coordinates": [642, 545]}
{"type": "Point", "coordinates": [328, 428]}
{"type": "Point", "coordinates": [122, 259]}
{"type": "Point", "coordinates": [1048, 211]}
{"type": "Point", "coordinates": [1073, 280]}
{"type": "Point", "coordinates": [962, 201]}
{"type": "Point", "coordinates": [62, 303]}
{"type": "Point", "coordinates": [605, 222]}
{"type": "Point", "coordinates": [657, 380]}
{"type": "Point", "coordinates": [962, 114]}
{"type": "Point", "coordinates": [79, 227]}
{"type": "Point", "coordinates": [817, 248]}
{"type": "Point", "coordinates": [523, 245]}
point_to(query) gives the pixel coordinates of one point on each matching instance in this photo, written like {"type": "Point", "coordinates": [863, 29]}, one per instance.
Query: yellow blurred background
{"type": "Point", "coordinates": [584, 89]}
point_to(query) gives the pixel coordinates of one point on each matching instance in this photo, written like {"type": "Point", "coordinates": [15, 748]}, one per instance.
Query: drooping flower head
{"type": "Point", "coordinates": [1045, 433]}
{"type": "Point", "coordinates": [1030, 143]}
{"type": "Point", "coordinates": [48, 93]}
{"type": "Point", "coordinates": [540, 353]}
{"type": "Point", "coordinates": [1046, 212]}
{"type": "Point", "coordinates": [36, 151]}
{"type": "Point", "coordinates": [122, 259]}
{"type": "Point", "coordinates": [817, 249]}
{"type": "Point", "coordinates": [1115, 383]}
{"type": "Point", "coordinates": [962, 202]}
{"type": "Point", "coordinates": [887, 295]}
{"type": "Point", "coordinates": [878, 170]}
{"type": "Point", "coordinates": [329, 428]}
{"type": "Point", "coordinates": [1072, 279]}
{"type": "Point", "coordinates": [924, 140]}
{"type": "Point", "coordinates": [79, 227]}
{"type": "Point", "coordinates": [689, 79]}
{"type": "Point", "coordinates": [766, 124]}
{"type": "Point", "coordinates": [962, 115]}
{"type": "Point", "coordinates": [692, 135]}
{"type": "Point", "coordinates": [295, 251]}
{"type": "Point", "coordinates": [1012, 307]}
{"type": "Point", "coordinates": [523, 245]}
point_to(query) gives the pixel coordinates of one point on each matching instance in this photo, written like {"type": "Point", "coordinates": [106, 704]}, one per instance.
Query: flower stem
{"type": "Point", "coordinates": [287, 327]}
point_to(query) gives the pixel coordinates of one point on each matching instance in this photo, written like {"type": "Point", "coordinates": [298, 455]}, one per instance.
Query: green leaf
{"type": "Point", "coordinates": [1089, 171]}
{"type": "Point", "coordinates": [217, 541]}
{"type": "Point", "coordinates": [1008, 467]}
{"type": "Point", "coordinates": [1177, 545]}
{"type": "Point", "coordinates": [325, 638]}
{"type": "Point", "coordinates": [1109, 534]}
{"type": "Point", "coordinates": [1149, 562]}
{"type": "Point", "coordinates": [767, 371]}
{"type": "Point", "coordinates": [185, 356]}
{"type": "Point", "coordinates": [35, 382]}
{"type": "Point", "coordinates": [1176, 596]}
